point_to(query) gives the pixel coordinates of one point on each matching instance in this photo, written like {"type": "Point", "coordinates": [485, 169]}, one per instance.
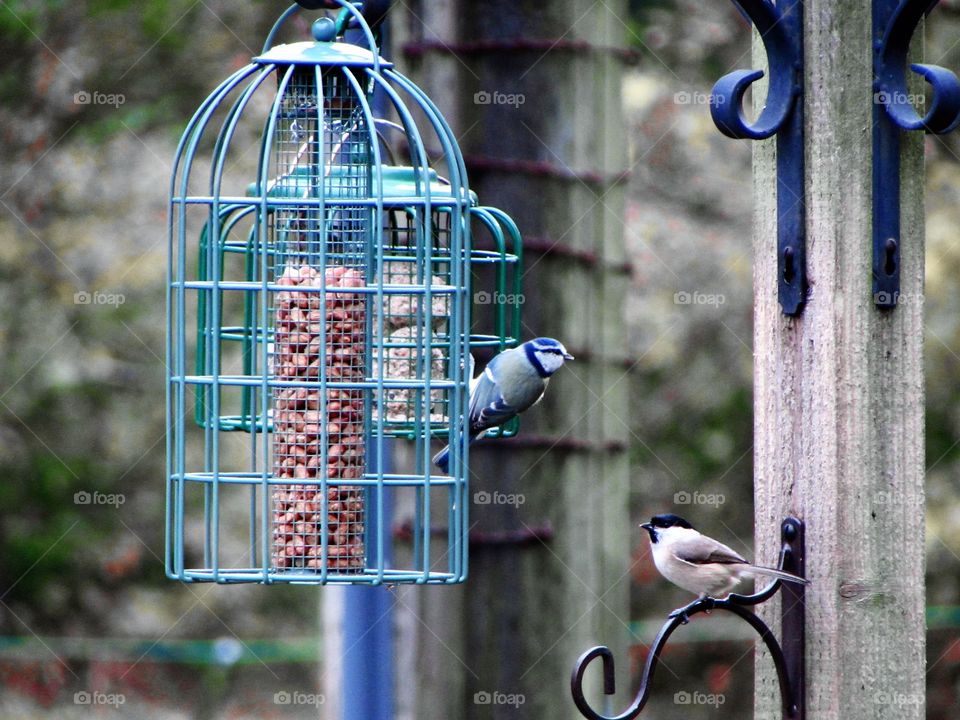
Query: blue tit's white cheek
{"type": "Point", "coordinates": [549, 361]}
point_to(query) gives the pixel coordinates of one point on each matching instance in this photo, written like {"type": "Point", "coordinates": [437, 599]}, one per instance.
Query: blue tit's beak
{"type": "Point", "coordinates": [567, 356]}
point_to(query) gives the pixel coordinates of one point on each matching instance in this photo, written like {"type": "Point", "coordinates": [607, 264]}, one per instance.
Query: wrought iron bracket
{"type": "Point", "coordinates": [788, 658]}
{"type": "Point", "coordinates": [894, 22]}
{"type": "Point", "coordinates": [781, 30]}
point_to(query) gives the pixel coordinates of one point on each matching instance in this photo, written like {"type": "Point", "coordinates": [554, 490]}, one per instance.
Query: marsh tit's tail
{"type": "Point", "coordinates": [779, 574]}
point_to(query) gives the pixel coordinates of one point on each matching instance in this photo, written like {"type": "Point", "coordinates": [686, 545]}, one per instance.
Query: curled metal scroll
{"type": "Point", "coordinates": [781, 30]}
{"type": "Point", "coordinates": [943, 110]}
{"type": "Point", "coordinates": [778, 27]}
{"type": "Point", "coordinates": [789, 665]}
{"type": "Point", "coordinates": [894, 109]}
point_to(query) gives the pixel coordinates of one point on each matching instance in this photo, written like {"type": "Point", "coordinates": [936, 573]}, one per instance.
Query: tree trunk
{"type": "Point", "coordinates": [552, 158]}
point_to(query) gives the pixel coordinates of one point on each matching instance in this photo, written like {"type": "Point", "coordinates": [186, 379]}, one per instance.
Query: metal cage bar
{"type": "Point", "coordinates": [328, 309]}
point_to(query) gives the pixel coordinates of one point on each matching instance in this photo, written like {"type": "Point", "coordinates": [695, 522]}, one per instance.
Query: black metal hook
{"type": "Point", "coordinates": [777, 25]}
{"type": "Point", "coordinates": [781, 30]}
{"type": "Point", "coordinates": [787, 659]}
{"type": "Point", "coordinates": [894, 22]}
{"type": "Point", "coordinates": [373, 11]}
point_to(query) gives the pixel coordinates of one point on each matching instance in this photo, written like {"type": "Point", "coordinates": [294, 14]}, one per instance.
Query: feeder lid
{"type": "Point", "coordinates": [320, 53]}
{"type": "Point", "coordinates": [399, 181]}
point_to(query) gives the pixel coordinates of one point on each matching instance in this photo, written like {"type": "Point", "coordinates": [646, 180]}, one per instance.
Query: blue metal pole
{"type": "Point", "coordinates": [368, 670]}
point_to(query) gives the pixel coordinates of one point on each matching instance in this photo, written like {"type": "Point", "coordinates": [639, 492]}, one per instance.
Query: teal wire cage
{"type": "Point", "coordinates": [322, 317]}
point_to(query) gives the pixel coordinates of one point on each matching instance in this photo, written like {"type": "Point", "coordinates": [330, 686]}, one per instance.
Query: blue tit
{"type": "Point", "coordinates": [510, 383]}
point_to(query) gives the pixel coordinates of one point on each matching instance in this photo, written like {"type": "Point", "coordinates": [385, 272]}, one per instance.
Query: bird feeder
{"type": "Point", "coordinates": [321, 312]}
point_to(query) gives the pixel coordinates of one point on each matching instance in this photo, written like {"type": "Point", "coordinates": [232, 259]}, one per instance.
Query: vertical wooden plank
{"type": "Point", "coordinates": [839, 400]}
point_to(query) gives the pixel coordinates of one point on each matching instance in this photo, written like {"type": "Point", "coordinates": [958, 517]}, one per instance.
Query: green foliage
{"type": "Point", "coordinates": [102, 9]}
{"type": "Point", "coordinates": [165, 23]}
{"type": "Point", "coordinates": [20, 21]}
{"type": "Point", "coordinates": [709, 439]}
{"type": "Point", "coordinates": [136, 118]}
{"type": "Point", "coordinates": [158, 20]}
{"type": "Point", "coordinates": [43, 542]}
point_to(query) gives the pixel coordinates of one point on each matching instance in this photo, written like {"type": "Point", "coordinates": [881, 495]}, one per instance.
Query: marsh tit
{"type": "Point", "coordinates": [510, 383]}
{"type": "Point", "coordinates": [699, 563]}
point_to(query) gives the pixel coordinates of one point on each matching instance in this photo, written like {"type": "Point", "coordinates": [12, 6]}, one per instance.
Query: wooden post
{"type": "Point", "coordinates": [554, 161]}
{"type": "Point", "coordinates": [839, 400]}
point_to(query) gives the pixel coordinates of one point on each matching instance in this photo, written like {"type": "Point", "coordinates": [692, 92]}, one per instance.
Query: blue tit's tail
{"type": "Point", "coordinates": [442, 459]}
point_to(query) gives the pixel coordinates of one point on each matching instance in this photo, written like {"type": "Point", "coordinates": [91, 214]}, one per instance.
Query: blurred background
{"type": "Point", "coordinates": [94, 97]}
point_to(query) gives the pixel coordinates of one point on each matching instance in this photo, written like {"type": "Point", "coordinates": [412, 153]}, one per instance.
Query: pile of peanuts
{"type": "Point", "coordinates": [401, 310]}
{"type": "Point", "coordinates": [403, 363]}
{"type": "Point", "coordinates": [303, 318]}
{"type": "Point", "coordinates": [401, 318]}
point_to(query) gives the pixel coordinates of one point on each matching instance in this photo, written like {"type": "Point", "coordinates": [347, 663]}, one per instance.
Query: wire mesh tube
{"type": "Point", "coordinates": [319, 435]}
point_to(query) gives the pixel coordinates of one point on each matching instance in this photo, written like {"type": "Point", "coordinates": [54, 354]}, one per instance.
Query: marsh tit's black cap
{"type": "Point", "coordinates": [662, 522]}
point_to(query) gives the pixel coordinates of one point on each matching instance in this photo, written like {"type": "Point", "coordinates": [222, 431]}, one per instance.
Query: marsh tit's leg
{"type": "Point", "coordinates": [684, 612]}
